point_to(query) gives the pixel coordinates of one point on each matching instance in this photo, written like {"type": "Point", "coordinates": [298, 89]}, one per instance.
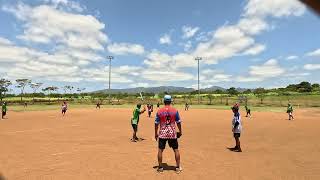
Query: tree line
{"type": "Point", "coordinates": [21, 84]}
{"type": "Point", "coordinates": [71, 91]}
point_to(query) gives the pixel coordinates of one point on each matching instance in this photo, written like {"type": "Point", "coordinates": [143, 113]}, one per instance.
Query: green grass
{"type": "Point", "coordinates": [37, 107]}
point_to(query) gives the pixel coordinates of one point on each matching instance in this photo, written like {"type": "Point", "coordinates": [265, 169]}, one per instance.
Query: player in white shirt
{"type": "Point", "coordinates": [236, 127]}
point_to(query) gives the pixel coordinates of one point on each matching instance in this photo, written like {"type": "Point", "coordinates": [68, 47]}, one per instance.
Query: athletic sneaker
{"type": "Point", "coordinates": [178, 169]}
{"type": "Point", "coordinates": [160, 169]}
{"type": "Point", "coordinates": [238, 150]}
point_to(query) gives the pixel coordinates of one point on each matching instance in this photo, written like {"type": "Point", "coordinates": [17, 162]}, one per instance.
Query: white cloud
{"type": "Point", "coordinates": [165, 39]}
{"type": "Point", "coordinates": [125, 49]}
{"type": "Point", "coordinates": [68, 5]}
{"type": "Point", "coordinates": [74, 41]}
{"type": "Point", "coordinates": [187, 46]}
{"type": "Point", "coordinates": [45, 24]}
{"type": "Point", "coordinates": [254, 50]}
{"type": "Point", "coordinates": [10, 53]}
{"type": "Point", "coordinates": [158, 60]}
{"type": "Point", "coordinates": [269, 69]}
{"type": "Point", "coordinates": [315, 53]}
{"type": "Point", "coordinates": [121, 74]}
{"type": "Point", "coordinates": [165, 76]}
{"type": "Point", "coordinates": [276, 8]}
{"type": "Point", "coordinates": [292, 57]}
{"type": "Point", "coordinates": [231, 40]}
{"type": "Point", "coordinates": [297, 74]}
{"type": "Point", "coordinates": [4, 41]}
{"type": "Point", "coordinates": [312, 66]}
{"type": "Point", "coordinates": [249, 79]}
{"type": "Point", "coordinates": [184, 60]}
{"type": "Point", "coordinates": [210, 76]}
{"type": "Point", "coordinates": [135, 85]}
{"type": "Point", "coordinates": [227, 41]}
{"type": "Point", "coordinates": [203, 36]}
{"type": "Point", "coordinates": [252, 26]}
{"type": "Point", "coordinates": [189, 32]}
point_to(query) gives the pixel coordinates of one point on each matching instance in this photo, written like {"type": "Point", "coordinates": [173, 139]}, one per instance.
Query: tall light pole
{"type": "Point", "coordinates": [109, 91]}
{"type": "Point", "coordinates": [198, 59]}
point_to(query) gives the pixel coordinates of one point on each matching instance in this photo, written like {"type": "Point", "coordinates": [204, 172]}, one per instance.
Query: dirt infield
{"type": "Point", "coordinates": [95, 144]}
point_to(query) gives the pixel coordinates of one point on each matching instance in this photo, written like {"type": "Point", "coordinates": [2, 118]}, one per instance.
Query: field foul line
{"type": "Point", "coordinates": [36, 130]}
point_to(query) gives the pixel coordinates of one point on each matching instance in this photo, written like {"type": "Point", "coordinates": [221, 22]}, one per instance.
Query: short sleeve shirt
{"type": "Point", "coordinates": [236, 118]}
{"type": "Point", "coordinates": [135, 116]}
{"type": "Point", "coordinates": [4, 108]}
{"type": "Point", "coordinates": [167, 117]}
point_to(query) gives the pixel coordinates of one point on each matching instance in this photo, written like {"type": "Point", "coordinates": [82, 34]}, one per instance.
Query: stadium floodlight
{"type": "Point", "coordinates": [198, 59]}
{"type": "Point", "coordinates": [109, 91]}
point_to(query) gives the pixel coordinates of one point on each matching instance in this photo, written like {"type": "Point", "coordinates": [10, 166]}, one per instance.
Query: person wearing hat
{"type": "Point", "coordinates": [290, 111]}
{"type": "Point", "coordinates": [4, 110]}
{"type": "Point", "coordinates": [167, 118]}
{"type": "Point", "coordinates": [135, 120]}
{"type": "Point", "coordinates": [236, 127]}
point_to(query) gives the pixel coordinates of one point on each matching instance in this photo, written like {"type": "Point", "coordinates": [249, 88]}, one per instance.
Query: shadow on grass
{"type": "Point", "coordinates": [166, 167]}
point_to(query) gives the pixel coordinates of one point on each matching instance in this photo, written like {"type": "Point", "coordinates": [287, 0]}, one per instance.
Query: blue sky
{"type": "Point", "coordinates": [250, 43]}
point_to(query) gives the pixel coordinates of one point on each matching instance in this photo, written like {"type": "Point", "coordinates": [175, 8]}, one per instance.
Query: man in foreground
{"type": "Point", "coordinates": [167, 117]}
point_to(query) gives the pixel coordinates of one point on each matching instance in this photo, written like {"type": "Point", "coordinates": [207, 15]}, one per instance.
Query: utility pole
{"type": "Point", "coordinates": [198, 59]}
{"type": "Point", "coordinates": [109, 91]}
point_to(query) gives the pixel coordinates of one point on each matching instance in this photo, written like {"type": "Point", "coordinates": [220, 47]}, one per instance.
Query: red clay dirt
{"type": "Point", "coordinates": [95, 144]}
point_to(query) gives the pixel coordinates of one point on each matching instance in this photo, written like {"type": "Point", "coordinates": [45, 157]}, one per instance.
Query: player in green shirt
{"type": "Point", "coordinates": [135, 121]}
{"type": "Point", "coordinates": [290, 111]}
{"type": "Point", "coordinates": [4, 109]}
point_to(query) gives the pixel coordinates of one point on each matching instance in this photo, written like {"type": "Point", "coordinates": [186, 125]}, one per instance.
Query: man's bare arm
{"type": "Point", "coordinates": [156, 126]}
{"type": "Point", "coordinates": [180, 128]}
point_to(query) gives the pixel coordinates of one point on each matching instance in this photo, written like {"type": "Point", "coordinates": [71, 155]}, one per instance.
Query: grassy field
{"type": "Point", "coordinates": [269, 103]}
{"type": "Point", "coordinates": [37, 107]}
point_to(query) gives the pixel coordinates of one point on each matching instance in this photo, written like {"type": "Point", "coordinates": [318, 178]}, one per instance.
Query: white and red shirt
{"type": "Point", "coordinates": [167, 117]}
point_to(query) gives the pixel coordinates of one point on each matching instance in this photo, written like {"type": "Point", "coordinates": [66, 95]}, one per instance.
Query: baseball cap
{"type": "Point", "coordinates": [167, 98]}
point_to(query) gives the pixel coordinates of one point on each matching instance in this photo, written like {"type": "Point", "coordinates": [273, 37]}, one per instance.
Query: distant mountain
{"type": "Point", "coordinates": [156, 90]}
{"type": "Point", "coordinates": [242, 89]}
{"type": "Point", "coordinates": [213, 88]}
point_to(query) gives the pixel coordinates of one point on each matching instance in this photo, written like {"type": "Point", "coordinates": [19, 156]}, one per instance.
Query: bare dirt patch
{"type": "Point", "coordinates": [95, 144]}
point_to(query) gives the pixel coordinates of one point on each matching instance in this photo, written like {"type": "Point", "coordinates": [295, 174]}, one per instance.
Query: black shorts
{"type": "Point", "coordinates": [236, 135]}
{"type": "Point", "coordinates": [4, 113]}
{"type": "Point", "coordinates": [173, 143]}
{"type": "Point", "coordinates": [64, 111]}
{"type": "Point", "coordinates": [135, 127]}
